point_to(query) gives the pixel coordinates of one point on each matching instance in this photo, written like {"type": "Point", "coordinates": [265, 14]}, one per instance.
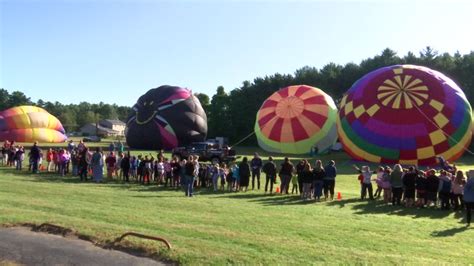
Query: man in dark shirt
{"type": "Point", "coordinates": [35, 153]}
{"type": "Point", "coordinates": [256, 165]}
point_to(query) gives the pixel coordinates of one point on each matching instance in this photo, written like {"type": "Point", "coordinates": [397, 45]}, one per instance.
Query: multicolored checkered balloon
{"type": "Point", "coordinates": [405, 114]}
{"type": "Point", "coordinates": [295, 119]}
{"type": "Point", "coordinates": [29, 124]}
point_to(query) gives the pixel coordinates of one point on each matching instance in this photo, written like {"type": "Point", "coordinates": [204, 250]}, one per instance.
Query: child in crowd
{"type": "Point", "coordinates": [223, 175]}
{"type": "Point", "coordinates": [294, 183]}
{"type": "Point", "coordinates": [215, 176]}
{"type": "Point", "coordinates": [458, 190]}
{"type": "Point", "coordinates": [379, 181]}
{"type": "Point", "coordinates": [444, 189]}
{"type": "Point", "coordinates": [168, 174]}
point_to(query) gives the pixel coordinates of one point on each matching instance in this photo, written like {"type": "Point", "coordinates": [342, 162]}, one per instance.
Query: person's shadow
{"type": "Point", "coordinates": [450, 232]}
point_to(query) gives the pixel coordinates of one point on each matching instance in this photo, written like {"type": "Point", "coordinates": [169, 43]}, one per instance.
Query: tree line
{"type": "Point", "coordinates": [72, 116]}
{"type": "Point", "coordinates": [232, 114]}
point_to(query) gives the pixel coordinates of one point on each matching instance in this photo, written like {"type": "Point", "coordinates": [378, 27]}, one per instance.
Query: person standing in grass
{"type": "Point", "coordinates": [125, 167]}
{"type": "Point", "coordinates": [168, 174]}
{"type": "Point", "coordinates": [64, 160]}
{"type": "Point", "coordinates": [294, 184]}
{"type": "Point", "coordinates": [270, 172]}
{"type": "Point", "coordinates": [256, 165]}
{"type": "Point", "coordinates": [366, 182]}
{"type": "Point", "coordinates": [134, 167]}
{"type": "Point", "coordinates": [236, 177]}
{"type": "Point", "coordinates": [97, 165]}
{"type": "Point", "coordinates": [147, 169]}
{"type": "Point", "coordinates": [307, 177]}
{"type": "Point", "coordinates": [49, 159]}
{"type": "Point", "coordinates": [432, 184]}
{"type": "Point", "coordinates": [286, 171]}
{"type": "Point", "coordinates": [5, 151]}
{"type": "Point", "coordinates": [118, 164]}
{"type": "Point", "coordinates": [330, 179]}
{"type": "Point", "coordinates": [299, 172]}
{"type": "Point", "coordinates": [20, 157]}
{"type": "Point", "coordinates": [11, 155]}
{"type": "Point", "coordinates": [469, 199]}
{"type": "Point", "coordinates": [83, 164]}
{"type": "Point", "coordinates": [444, 189]}
{"type": "Point", "coordinates": [318, 180]}
{"type": "Point", "coordinates": [386, 186]}
{"type": "Point", "coordinates": [223, 175]}
{"type": "Point", "coordinates": [409, 182]}
{"type": "Point", "coordinates": [35, 157]}
{"type": "Point", "coordinates": [215, 176]}
{"type": "Point", "coordinates": [2, 155]}
{"type": "Point", "coordinates": [81, 146]}
{"type": "Point", "coordinates": [379, 181]}
{"type": "Point", "coordinates": [175, 169]}
{"type": "Point", "coordinates": [244, 173]}
{"type": "Point", "coordinates": [110, 161]}
{"type": "Point", "coordinates": [229, 178]}
{"type": "Point", "coordinates": [75, 162]}
{"type": "Point", "coordinates": [420, 186]}
{"type": "Point", "coordinates": [458, 190]}
{"type": "Point", "coordinates": [397, 184]}
{"type": "Point", "coordinates": [190, 170]}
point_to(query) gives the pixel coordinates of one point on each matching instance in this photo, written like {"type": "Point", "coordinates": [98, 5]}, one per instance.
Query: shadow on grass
{"type": "Point", "coordinates": [450, 232]}
{"type": "Point", "coordinates": [363, 207]}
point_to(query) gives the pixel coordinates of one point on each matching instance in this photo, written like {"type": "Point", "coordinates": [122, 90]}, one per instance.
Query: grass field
{"type": "Point", "coordinates": [243, 228]}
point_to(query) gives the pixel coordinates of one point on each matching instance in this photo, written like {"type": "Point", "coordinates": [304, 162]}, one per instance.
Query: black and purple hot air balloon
{"type": "Point", "coordinates": [164, 118]}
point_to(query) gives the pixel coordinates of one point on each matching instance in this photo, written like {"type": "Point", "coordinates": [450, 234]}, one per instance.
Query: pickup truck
{"type": "Point", "coordinates": [207, 152]}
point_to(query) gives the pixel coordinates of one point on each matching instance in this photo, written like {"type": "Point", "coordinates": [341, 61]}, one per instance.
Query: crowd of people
{"type": "Point", "coordinates": [446, 188]}
{"type": "Point", "coordinates": [411, 187]}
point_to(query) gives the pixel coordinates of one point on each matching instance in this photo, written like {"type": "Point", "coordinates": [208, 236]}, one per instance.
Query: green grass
{"type": "Point", "coordinates": [243, 228]}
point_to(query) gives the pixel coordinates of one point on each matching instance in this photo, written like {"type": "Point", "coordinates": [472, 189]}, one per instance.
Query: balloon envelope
{"type": "Point", "coordinates": [405, 114]}
{"type": "Point", "coordinates": [295, 119]}
{"type": "Point", "coordinates": [29, 124]}
{"type": "Point", "coordinates": [164, 118]}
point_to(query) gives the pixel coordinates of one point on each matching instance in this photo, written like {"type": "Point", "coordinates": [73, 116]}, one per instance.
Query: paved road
{"type": "Point", "coordinates": [23, 246]}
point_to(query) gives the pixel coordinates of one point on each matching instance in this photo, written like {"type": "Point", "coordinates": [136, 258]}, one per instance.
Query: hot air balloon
{"type": "Point", "coordinates": [29, 124]}
{"type": "Point", "coordinates": [297, 119]}
{"type": "Point", "coordinates": [405, 114]}
{"type": "Point", "coordinates": [164, 118]}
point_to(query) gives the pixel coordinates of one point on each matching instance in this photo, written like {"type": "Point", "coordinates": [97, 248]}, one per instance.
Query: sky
{"type": "Point", "coordinates": [115, 50]}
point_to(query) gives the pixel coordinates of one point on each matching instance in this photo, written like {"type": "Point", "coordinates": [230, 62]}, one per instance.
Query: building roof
{"type": "Point", "coordinates": [99, 128]}
{"type": "Point", "coordinates": [113, 122]}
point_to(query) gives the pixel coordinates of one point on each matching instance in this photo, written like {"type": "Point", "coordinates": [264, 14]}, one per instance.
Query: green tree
{"type": "Point", "coordinates": [68, 120]}
{"type": "Point", "coordinates": [18, 98]}
{"type": "Point", "coordinates": [204, 100]}
{"type": "Point", "coordinates": [219, 123]}
{"type": "Point", "coordinates": [4, 99]}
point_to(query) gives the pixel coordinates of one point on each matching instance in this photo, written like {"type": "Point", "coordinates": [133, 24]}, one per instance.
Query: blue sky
{"type": "Point", "coordinates": [114, 51]}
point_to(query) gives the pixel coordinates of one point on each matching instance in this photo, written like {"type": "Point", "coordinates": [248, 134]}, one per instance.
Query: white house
{"type": "Point", "coordinates": [105, 128]}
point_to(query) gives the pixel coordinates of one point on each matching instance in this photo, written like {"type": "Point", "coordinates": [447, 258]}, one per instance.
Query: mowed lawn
{"type": "Point", "coordinates": [243, 228]}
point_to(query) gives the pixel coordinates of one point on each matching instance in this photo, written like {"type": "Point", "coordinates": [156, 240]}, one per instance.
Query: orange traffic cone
{"type": "Point", "coordinates": [42, 168]}
{"type": "Point", "coordinates": [339, 196]}
{"type": "Point", "coordinates": [277, 189]}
